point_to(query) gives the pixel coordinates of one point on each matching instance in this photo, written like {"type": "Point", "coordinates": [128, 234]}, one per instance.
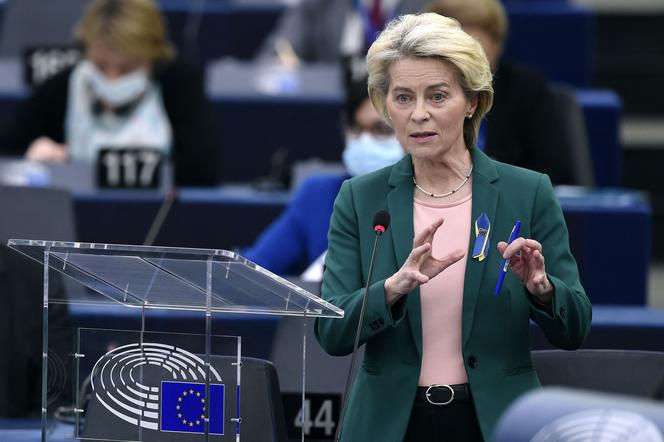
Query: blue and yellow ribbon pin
{"type": "Point", "coordinates": [482, 231]}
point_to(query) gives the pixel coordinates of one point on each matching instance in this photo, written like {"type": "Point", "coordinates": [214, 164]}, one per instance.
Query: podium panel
{"type": "Point", "coordinates": [147, 385]}
{"type": "Point", "coordinates": [153, 387]}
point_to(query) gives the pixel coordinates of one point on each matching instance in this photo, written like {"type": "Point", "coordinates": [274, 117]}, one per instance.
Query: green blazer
{"type": "Point", "coordinates": [495, 335]}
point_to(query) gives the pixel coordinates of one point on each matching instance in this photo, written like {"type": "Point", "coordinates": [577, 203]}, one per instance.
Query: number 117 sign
{"type": "Point", "coordinates": [129, 168]}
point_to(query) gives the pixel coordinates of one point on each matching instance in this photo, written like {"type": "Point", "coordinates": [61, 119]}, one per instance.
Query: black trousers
{"type": "Point", "coordinates": [456, 422]}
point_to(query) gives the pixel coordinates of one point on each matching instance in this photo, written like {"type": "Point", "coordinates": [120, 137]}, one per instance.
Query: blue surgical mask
{"type": "Point", "coordinates": [119, 91]}
{"type": "Point", "coordinates": [365, 153]}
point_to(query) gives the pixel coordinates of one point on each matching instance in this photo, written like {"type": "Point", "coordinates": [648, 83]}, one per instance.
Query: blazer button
{"type": "Point", "coordinates": [563, 312]}
{"type": "Point", "coordinates": [472, 362]}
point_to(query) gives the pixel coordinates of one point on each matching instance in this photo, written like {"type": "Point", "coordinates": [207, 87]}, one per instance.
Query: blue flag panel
{"type": "Point", "coordinates": [183, 407]}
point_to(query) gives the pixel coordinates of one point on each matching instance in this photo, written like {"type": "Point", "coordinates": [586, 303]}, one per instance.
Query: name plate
{"type": "Point", "coordinates": [129, 168]}
{"type": "Point", "coordinates": [318, 419]}
{"type": "Point", "coordinates": [42, 62]}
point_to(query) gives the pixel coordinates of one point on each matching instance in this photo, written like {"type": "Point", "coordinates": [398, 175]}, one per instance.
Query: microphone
{"type": "Point", "coordinates": [381, 222]}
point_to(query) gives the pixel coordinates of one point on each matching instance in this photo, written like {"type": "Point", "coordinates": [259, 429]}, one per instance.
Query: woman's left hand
{"type": "Point", "coordinates": [528, 266]}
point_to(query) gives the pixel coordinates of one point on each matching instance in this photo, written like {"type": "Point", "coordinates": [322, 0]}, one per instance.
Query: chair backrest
{"type": "Point", "coordinates": [629, 372]}
{"type": "Point", "coordinates": [36, 213]}
{"type": "Point", "coordinates": [261, 408]}
{"type": "Point", "coordinates": [573, 123]}
{"type": "Point", "coordinates": [53, 20]}
{"type": "Point", "coordinates": [30, 213]}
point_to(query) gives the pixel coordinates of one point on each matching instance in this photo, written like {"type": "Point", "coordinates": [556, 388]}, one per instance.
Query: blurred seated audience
{"type": "Point", "coordinates": [129, 91]}
{"type": "Point", "coordinates": [298, 237]}
{"type": "Point", "coordinates": [524, 127]}
{"type": "Point", "coordinates": [331, 30]}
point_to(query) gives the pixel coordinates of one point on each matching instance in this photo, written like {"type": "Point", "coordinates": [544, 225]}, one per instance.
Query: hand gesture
{"type": "Point", "coordinates": [528, 266]}
{"type": "Point", "coordinates": [47, 150]}
{"type": "Point", "coordinates": [420, 266]}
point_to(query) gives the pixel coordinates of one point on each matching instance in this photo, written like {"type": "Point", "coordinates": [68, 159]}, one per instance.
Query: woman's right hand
{"type": "Point", "coordinates": [46, 150]}
{"type": "Point", "coordinates": [420, 266]}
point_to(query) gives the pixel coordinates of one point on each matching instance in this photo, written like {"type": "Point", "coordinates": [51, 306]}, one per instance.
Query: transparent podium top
{"type": "Point", "coordinates": [173, 278]}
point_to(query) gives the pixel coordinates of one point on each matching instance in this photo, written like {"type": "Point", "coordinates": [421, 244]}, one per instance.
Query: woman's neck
{"type": "Point", "coordinates": [448, 179]}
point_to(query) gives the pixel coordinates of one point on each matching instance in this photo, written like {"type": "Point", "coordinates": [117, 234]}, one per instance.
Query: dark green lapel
{"type": "Point", "coordinates": [485, 199]}
{"type": "Point", "coordinates": [400, 206]}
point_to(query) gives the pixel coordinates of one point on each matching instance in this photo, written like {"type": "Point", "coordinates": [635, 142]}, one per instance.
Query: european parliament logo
{"type": "Point", "coordinates": [128, 382]}
{"type": "Point", "coordinates": [184, 407]}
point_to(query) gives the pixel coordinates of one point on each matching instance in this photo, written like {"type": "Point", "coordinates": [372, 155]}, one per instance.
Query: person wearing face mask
{"type": "Point", "coordinates": [129, 90]}
{"type": "Point", "coordinates": [297, 239]}
{"type": "Point", "coordinates": [370, 143]}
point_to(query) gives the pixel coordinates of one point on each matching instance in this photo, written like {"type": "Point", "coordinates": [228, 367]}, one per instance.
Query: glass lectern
{"type": "Point", "coordinates": [143, 384]}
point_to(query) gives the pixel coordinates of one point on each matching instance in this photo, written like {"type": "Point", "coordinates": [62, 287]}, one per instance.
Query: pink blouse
{"type": "Point", "coordinates": [442, 297]}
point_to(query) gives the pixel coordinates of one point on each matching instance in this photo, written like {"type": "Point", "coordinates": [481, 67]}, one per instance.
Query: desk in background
{"type": "Point", "coordinates": [29, 430]}
{"type": "Point", "coordinates": [264, 114]}
{"type": "Point", "coordinates": [554, 37]}
{"type": "Point", "coordinates": [610, 237]}
{"type": "Point", "coordinates": [609, 229]}
{"type": "Point", "coordinates": [223, 218]}
{"type": "Point", "coordinates": [626, 327]}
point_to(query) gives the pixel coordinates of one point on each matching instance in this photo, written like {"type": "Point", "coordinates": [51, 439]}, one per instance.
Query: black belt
{"type": "Point", "coordinates": [443, 394]}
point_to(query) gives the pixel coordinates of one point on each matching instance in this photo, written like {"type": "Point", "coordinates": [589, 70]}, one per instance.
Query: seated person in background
{"type": "Point", "coordinates": [523, 127]}
{"type": "Point", "coordinates": [299, 236]}
{"type": "Point", "coordinates": [329, 30]}
{"type": "Point", "coordinates": [127, 91]}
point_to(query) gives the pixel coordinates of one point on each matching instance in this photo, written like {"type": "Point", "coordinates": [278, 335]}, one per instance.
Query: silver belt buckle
{"type": "Point", "coordinates": [428, 394]}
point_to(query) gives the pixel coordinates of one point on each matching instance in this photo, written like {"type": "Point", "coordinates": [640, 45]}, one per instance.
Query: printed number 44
{"type": "Point", "coordinates": [323, 419]}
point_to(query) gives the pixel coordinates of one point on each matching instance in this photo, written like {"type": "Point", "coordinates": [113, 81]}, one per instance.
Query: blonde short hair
{"type": "Point", "coordinates": [134, 27]}
{"type": "Point", "coordinates": [431, 35]}
{"type": "Point", "coordinates": [488, 15]}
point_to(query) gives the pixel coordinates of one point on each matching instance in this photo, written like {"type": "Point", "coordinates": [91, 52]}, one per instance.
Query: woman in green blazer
{"type": "Point", "coordinates": [444, 355]}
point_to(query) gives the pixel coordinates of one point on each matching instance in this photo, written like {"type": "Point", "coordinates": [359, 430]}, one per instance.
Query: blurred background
{"type": "Point", "coordinates": [279, 113]}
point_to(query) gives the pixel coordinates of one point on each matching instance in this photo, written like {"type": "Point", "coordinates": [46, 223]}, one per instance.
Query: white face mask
{"type": "Point", "coordinates": [366, 153]}
{"type": "Point", "coordinates": [120, 91]}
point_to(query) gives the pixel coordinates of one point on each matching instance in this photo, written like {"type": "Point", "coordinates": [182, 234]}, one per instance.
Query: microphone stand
{"type": "Point", "coordinates": [379, 231]}
{"type": "Point", "coordinates": [159, 219]}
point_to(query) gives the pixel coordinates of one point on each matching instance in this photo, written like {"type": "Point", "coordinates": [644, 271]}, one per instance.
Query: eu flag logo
{"type": "Point", "coordinates": [184, 407]}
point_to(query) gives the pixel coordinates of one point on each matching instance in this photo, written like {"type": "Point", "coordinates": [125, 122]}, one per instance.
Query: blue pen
{"type": "Point", "coordinates": [513, 235]}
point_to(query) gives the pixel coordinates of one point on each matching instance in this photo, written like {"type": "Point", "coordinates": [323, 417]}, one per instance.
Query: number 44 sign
{"type": "Point", "coordinates": [317, 419]}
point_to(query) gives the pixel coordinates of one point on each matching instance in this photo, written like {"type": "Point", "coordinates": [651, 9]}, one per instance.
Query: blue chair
{"type": "Point", "coordinates": [554, 37]}
{"type": "Point", "coordinates": [602, 111]}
